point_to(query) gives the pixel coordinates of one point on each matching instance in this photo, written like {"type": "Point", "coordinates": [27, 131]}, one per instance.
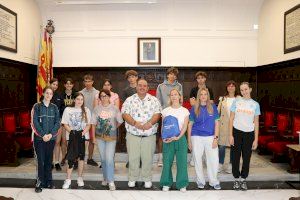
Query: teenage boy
{"type": "Point", "coordinates": [200, 77]}
{"type": "Point", "coordinates": [89, 93]}
{"type": "Point", "coordinates": [132, 77]}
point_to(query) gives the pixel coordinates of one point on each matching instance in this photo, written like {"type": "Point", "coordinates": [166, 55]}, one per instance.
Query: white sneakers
{"type": "Point", "coordinates": [148, 184]}
{"type": "Point", "coordinates": [165, 188]}
{"type": "Point", "coordinates": [131, 184]}
{"type": "Point", "coordinates": [112, 186]}
{"type": "Point", "coordinates": [80, 182]}
{"type": "Point", "coordinates": [66, 184]}
{"type": "Point", "coordinates": [200, 185]}
{"type": "Point", "coordinates": [104, 183]}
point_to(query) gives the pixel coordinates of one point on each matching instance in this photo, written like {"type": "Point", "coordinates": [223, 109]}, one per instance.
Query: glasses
{"type": "Point", "coordinates": [103, 96]}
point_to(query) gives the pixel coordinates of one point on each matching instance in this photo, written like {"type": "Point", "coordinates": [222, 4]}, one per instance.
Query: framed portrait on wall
{"type": "Point", "coordinates": [149, 51]}
{"type": "Point", "coordinates": [292, 29]}
{"type": "Point", "coordinates": [8, 29]}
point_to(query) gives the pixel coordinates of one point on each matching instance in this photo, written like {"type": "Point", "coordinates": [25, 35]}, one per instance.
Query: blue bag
{"type": "Point", "coordinates": [170, 127]}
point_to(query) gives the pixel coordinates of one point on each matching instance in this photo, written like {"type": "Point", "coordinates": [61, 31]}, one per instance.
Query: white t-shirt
{"type": "Point", "coordinates": [180, 113]}
{"type": "Point", "coordinates": [245, 110]}
{"type": "Point", "coordinates": [73, 117]}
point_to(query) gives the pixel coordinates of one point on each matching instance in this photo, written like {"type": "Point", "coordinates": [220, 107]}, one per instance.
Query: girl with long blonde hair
{"type": "Point", "coordinates": [203, 134]}
{"type": "Point", "coordinates": [175, 145]}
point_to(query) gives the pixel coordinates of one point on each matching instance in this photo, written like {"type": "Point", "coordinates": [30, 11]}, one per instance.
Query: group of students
{"type": "Point", "coordinates": [92, 117]}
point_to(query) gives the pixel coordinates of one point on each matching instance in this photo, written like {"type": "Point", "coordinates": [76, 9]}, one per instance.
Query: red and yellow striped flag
{"type": "Point", "coordinates": [45, 71]}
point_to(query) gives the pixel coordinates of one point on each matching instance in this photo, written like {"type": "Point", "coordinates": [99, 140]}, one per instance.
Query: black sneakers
{"type": "Point", "coordinates": [57, 167]}
{"type": "Point", "coordinates": [92, 162]}
{"type": "Point", "coordinates": [38, 189]}
{"type": "Point", "coordinates": [51, 186]}
{"type": "Point", "coordinates": [243, 185]}
{"type": "Point", "coordinates": [236, 185]}
{"type": "Point", "coordinates": [240, 185]}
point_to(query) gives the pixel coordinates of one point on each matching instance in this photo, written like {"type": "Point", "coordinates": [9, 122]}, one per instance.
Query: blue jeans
{"type": "Point", "coordinates": [222, 151]}
{"type": "Point", "coordinates": [107, 153]}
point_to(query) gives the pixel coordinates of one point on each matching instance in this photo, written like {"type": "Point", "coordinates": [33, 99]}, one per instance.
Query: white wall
{"type": "Point", "coordinates": [271, 32]}
{"type": "Point", "coordinates": [193, 32]}
{"type": "Point", "coordinates": [28, 30]}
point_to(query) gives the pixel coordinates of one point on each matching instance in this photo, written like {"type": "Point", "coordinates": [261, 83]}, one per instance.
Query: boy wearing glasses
{"type": "Point", "coordinates": [89, 93]}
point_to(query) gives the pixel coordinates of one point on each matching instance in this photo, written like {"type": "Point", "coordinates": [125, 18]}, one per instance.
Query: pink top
{"type": "Point", "coordinates": [112, 99]}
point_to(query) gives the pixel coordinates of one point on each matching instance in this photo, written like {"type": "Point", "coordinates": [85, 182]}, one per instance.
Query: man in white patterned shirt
{"type": "Point", "coordinates": [141, 113]}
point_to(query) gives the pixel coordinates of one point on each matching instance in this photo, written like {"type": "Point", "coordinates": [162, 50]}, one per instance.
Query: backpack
{"type": "Point", "coordinates": [170, 127]}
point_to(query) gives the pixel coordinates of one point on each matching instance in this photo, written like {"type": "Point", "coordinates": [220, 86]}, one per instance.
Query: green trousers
{"type": "Point", "coordinates": [178, 148]}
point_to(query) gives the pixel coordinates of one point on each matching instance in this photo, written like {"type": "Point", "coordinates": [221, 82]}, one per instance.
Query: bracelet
{"type": "Point", "coordinates": [216, 138]}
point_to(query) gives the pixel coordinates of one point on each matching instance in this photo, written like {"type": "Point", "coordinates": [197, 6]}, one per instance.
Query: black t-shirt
{"type": "Point", "coordinates": [127, 92]}
{"type": "Point", "coordinates": [57, 99]}
{"type": "Point", "coordinates": [194, 92]}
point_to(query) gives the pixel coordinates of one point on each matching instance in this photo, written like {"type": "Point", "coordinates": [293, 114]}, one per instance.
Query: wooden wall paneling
{"type": "Point", "coordinates": [278, 85]}
{"type": "Point", "coordinates": [217, 77]}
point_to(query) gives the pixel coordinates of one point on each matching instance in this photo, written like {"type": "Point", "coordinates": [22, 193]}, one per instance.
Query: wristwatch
{"type": "Point", "coordinates": [216, 137]}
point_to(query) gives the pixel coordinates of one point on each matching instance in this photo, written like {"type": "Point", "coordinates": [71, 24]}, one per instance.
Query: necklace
{"type": "Point", "coordinates": [68, 100]}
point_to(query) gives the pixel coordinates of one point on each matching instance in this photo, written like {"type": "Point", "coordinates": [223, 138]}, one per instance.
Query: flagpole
{"type": "Point", "coordinates": [50, 30]}
{"type": "Point", "coordinates": [44, 68]}
{"type": "Point", "coordinates": [37, 69]}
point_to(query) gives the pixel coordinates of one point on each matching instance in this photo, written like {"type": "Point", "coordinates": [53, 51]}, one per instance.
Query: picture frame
{"type": "Point", "coordinates": [292, 29]}
{"type": "Point", "coordinates": [149, 51]}
{"type": "Point", "coordinates": [8, 29]}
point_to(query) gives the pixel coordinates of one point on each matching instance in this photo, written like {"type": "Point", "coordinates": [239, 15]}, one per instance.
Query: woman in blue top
{"type": "Point", "coordinates": [46, 122]}
{"type": "Point", "coordinates": [203, 134]}
{"type": "Point", "coordinates": [243, 130]}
